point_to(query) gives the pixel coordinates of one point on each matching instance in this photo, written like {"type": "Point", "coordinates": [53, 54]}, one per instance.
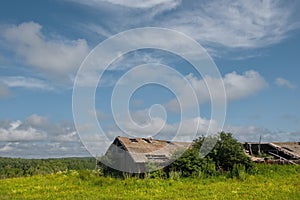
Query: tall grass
{"type": "Point", "coordinates": [268, 182]}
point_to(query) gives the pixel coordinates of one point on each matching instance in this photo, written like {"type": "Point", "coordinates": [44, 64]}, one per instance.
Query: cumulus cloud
{"type": "Point", "coordinates": [37, 128]}
{"type": "Point", "coordinates": [57, 56]}
{"type": "Point", "coordinates": [149, 123]}
{"type": "Point", "coordinates": [68, 137]}
{"type": "Point", "coordinates": [42, 149]}
{"type": "Point", "coordinates": [36, 120]}
{"type": "Point", "coordinates": [36, 136]}
{"type": "Point", "coordinates": [237, 86]}
{"type": "Point", "coordinates": [142, 124]}
{"type": "Point", "coordinates": [281, 82]}
{"type": "Point", "coordinates": [253, 134]}
{"type": "Point", "coordinates": [16, 133]}
{"type": "Point", "coordinates": [6, 148]}
{"type": "Point", "coordinates": [240, 86]}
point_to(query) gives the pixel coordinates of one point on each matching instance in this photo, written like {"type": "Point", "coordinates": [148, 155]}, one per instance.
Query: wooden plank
{"type": "Point", "coordinates": [285, 151]}
{"type": "Point", "coordinates": [283, 158]}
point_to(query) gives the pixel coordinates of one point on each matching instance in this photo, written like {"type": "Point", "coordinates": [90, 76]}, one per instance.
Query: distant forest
{"type": "Point", "coordinates": [17, 167]}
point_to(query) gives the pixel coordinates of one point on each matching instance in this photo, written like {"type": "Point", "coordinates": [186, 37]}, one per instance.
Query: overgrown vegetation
{"type": "Point", "coordinates": [226, 157]}
{"type": "Point", "coordinates": [269, 182]}
{"type": "Point", "coordinates": [17, 167]}
{"type": "Point", "coordinates": [225, 173]}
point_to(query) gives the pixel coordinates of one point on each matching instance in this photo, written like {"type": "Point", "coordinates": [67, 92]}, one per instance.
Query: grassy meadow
{"type": "Point", "coordinates": [268, 182]}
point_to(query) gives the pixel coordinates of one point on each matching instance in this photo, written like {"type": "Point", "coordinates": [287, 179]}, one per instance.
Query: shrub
{"type": "Point", "coordinates": [229, 152]}
{"type": "Point", "coordinates": [226, 156]}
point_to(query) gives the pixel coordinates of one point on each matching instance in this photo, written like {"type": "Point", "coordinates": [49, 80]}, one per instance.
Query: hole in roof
{"type": "Point", "coordinates": [148, 140]}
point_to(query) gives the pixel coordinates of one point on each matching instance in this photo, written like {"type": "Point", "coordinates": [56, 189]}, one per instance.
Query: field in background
{"type": "Point", "coordinates": [18, 167]}
{"type": "Point", "coordinates": [269, 182]}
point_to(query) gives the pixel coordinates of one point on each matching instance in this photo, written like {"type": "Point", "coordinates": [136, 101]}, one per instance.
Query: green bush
{"type": "Point", "coordinates": [226, 156]}
{"type": "Point", "coordinates": [228, 152]}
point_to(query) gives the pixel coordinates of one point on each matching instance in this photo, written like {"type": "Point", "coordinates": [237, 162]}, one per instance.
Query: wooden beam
{"type": "Point", "coordinates": [273, 154]}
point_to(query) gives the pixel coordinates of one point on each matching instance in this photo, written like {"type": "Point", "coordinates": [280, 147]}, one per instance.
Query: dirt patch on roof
{"type": "Point", "coordinates": [141, 149]}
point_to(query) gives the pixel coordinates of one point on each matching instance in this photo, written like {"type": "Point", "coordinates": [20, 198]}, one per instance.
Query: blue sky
{"type": "Point", "coordinates": [255, 45]}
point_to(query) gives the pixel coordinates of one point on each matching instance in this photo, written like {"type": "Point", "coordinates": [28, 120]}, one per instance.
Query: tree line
{"type": "Point", "coordinates": [17, 167]}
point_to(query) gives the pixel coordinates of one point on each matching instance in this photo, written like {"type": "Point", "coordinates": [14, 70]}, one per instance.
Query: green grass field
{"type": "Point", "coordinates": [270, 182]}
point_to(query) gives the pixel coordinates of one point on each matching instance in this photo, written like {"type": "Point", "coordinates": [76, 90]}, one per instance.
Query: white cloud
{"type": "Point", "coordinates": [240, 86]}
{"type": "Point", "coordinates": [235, 24]}
{"type": "Point", "coordinates": [193, 127]}
{"type": "Point", "coordinates": [37, 128]}
{"type": "Point", "coordinates": [133, 59]}
{"type": "Point", "coordinates": [237, 86]}
{"type": "Point", "coordinates": [253, 134]}
{"type": "Point", "coordinates": [15, 133]}
{"type": "Point", "coordinates": [36, 120]}
{"type": "Point", "coordinates": [95, 28]}
{"type": "Point", "coordinates": [146, 123]}
{"type": "Point", "coordinates": [56, 56]}
{"type": "Point", "coordinates": [144, 4]}
{"type": "Point", "coordinates": [40, 149]}
{"type": "Point", "coordinates": [140, 123]}
{"type": "Point", "coordinates": [36, 136]}
{"type": "Point", "coordinates": [6, 148]}
{"type": "Point", "coordinates": [190, 90]}
{"type": "Point", "coordinates": [230, 24]}
{"type": "Point", "coordinates": [281, 82]}
{"type": "Point", "coordinates": [24, 82]}
{"type": "Point", "coordinates": [69, 137]}
{"type": "Point", "coordinates": [132, 3]}
{"type": "Point", "coordinates": [154, 126]}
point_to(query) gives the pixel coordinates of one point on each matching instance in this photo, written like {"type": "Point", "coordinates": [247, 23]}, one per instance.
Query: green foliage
{"type": "Point", "coordinates": [227, 155]}
{"type": "Point", "coordinates": [158, 174]}
{"type": "Point", "coordinates": [191, 164]}
{"type": "Point", "coordinates": [17, 167]}
{"type": "Point", "coordinates": [270, 182]}
{"type": "Point", "coordinates": [173, 175]}
{"type": "Point", "coordinates": [228, 152]}
{"type": "Point", "coordinates": [239, 172]}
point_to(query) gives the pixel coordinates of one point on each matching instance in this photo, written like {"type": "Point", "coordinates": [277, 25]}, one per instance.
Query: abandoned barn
{"type": "Point", "coordinates": [276, 152]}
{"type": "Point", "coordinates": [135, 154]}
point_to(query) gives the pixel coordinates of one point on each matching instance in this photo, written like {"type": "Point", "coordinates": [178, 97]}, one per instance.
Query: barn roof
{"type": "Point", "coordinates": [290, 146]}
{"type": "Point", "coordinates": [147, 149]}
